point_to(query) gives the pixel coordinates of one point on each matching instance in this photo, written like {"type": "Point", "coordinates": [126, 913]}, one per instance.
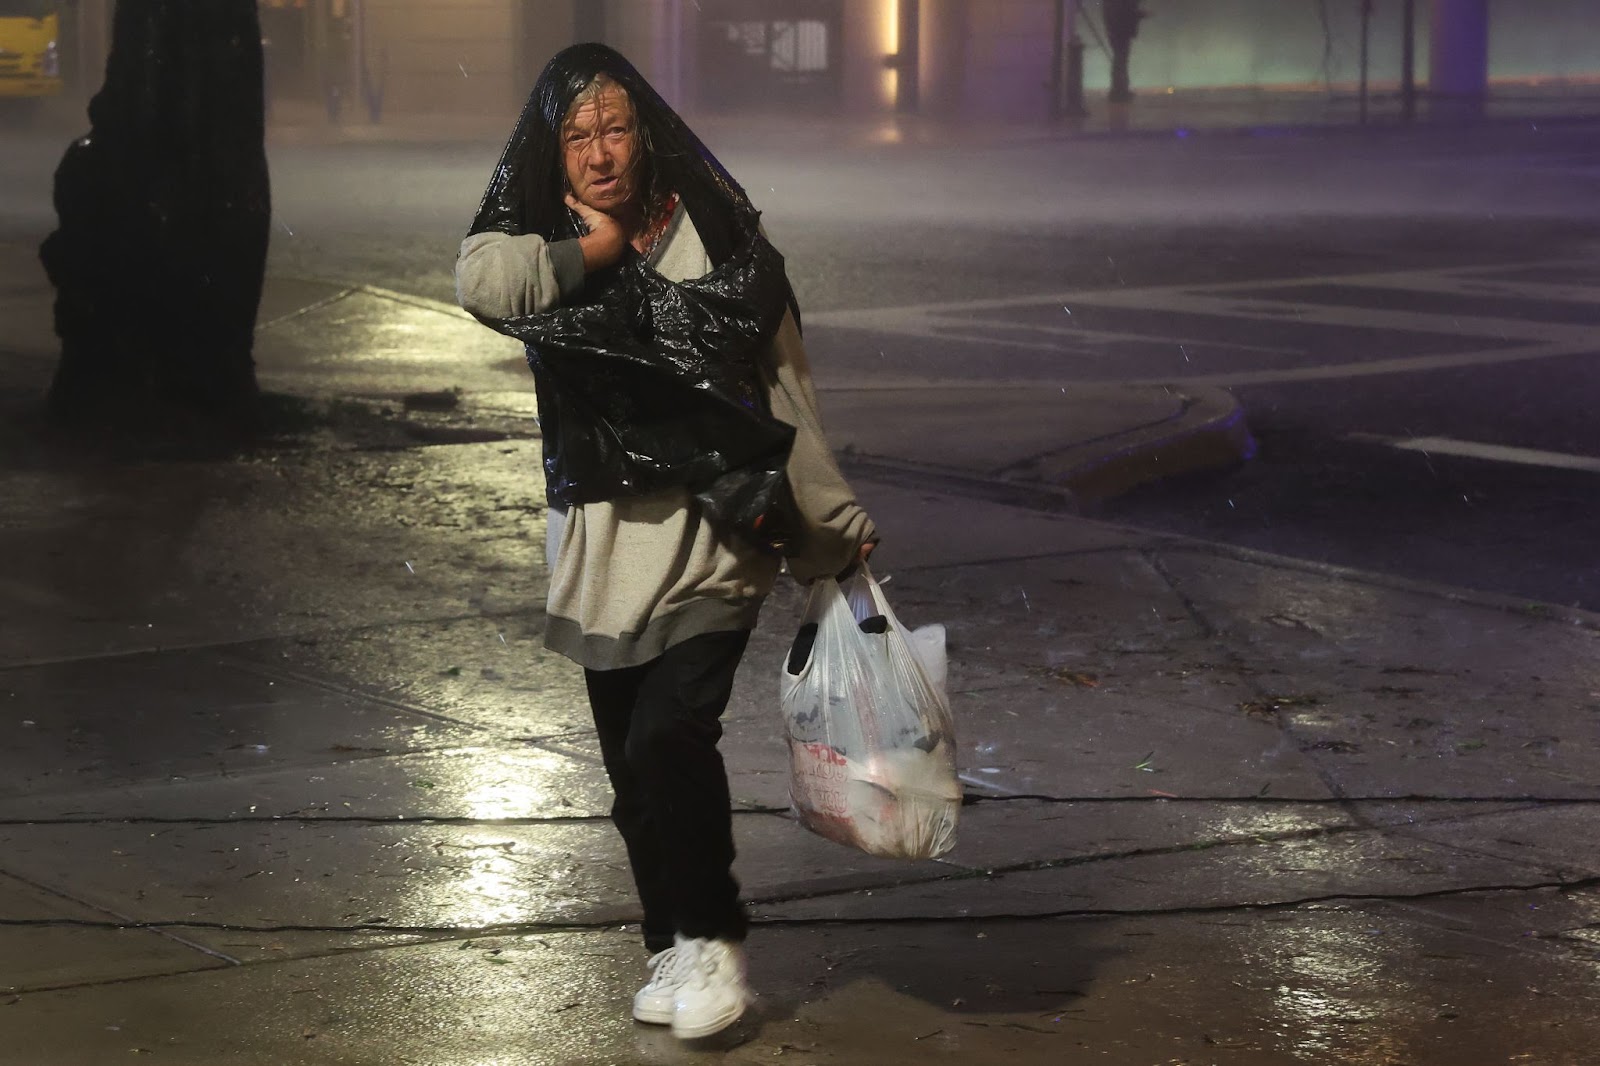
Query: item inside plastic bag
{"type": "Point", "coordinates": [871, 740]}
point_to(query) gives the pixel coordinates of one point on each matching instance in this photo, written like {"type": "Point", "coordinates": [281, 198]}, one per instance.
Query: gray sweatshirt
{"type": "Point", "coordinates": [631, 577]}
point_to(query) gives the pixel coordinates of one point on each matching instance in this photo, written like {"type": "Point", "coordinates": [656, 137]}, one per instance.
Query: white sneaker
{"type": "Point", "coordinates": [653, 1002]}
{"type": "Point", "coordinates": [711, 993]}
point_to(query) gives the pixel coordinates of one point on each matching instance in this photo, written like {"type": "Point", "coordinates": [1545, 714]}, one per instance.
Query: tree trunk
{"type": "Point", "coordinates": [163, 211]}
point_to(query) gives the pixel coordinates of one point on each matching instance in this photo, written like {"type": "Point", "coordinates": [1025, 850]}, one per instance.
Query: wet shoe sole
{"type": "Point", "coordinates": [709, 1028]}
{"type": "Point", "coordinates": [650, 1017]}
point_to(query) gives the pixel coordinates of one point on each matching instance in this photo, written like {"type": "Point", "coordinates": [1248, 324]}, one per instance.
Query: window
{"type": "Point", "coordinates": [800, 47]}
{"type": "Point", "coordinates": [770, 54]}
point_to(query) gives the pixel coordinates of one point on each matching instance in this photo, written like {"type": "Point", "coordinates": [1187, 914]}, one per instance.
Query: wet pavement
{"type": "Point", "coordinates": [291, 779]}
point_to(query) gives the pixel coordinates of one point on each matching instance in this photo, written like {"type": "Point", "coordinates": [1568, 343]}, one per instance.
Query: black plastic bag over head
{"type": "Point", "coordinates": [644, 383]}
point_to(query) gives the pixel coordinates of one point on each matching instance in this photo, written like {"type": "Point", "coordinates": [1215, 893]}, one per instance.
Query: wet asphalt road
{"type": "Point", "coordinates": [1527, 531]}
{"type": "Point", "coordinates": [1046, 223]}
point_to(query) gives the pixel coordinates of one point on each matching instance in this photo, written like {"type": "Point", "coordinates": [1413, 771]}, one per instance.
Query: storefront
{"type": "Point", "coordinates": [778, 54]}
{"type": "Point", "coordinates": [362, 61]}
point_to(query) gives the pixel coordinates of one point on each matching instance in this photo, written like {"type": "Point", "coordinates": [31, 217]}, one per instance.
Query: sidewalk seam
{"type": "Point", "coordinates": [1156, 539]}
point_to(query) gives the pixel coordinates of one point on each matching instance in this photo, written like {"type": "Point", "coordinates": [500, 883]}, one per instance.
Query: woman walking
{"type": "Point", "coordinates": [684, 461]}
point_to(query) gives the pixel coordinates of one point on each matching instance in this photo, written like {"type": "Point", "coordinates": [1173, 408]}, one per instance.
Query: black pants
{"type": "Point", "coordinates": [659, 724]}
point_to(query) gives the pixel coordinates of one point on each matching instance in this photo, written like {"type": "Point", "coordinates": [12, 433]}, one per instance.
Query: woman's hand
{"type": "Point", "coordinates": [604, 243]}
{"type": "Point", "coordinates": [856, 563]}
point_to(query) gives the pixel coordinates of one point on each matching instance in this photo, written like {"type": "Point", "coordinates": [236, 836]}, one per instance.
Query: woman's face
{"type": "Point", "coordinates": [600, 145]}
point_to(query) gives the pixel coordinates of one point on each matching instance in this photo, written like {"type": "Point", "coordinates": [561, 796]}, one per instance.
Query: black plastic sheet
{"type": "Point", "coordinates": [644, 383]}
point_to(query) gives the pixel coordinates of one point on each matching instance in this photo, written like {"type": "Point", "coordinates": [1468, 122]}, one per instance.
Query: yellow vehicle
{"type": "Point", "coordinates": [30, 48]}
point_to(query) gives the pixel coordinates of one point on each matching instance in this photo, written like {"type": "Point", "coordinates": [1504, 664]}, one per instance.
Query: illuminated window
{"type": "Point", "coordinates": [800, 47]}
{"type": "Point", "coordinates": [767, 54]}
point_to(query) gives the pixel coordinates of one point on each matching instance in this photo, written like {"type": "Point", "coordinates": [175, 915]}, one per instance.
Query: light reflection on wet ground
{"type": "Point", "coordinates": [1332, 996]}
{"type": "Point", "coordinates": [370, 766]}
{"type": "Point", "coordinates": [1288, 989]}
{"type": "Point", "coordinates": [305, 830]}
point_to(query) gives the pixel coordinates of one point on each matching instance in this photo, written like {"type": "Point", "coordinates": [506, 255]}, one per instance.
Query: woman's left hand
{"type": "Point", "coordinates": [856, 563]}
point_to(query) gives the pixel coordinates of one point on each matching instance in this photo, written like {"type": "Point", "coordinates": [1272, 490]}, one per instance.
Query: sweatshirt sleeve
{"type": "Point", "coordinates": [499, 275]}
{"type": "Point", "coordinates": [832, 525]}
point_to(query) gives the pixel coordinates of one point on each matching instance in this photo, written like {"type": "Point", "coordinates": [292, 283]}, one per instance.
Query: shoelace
{"type": "Point", "coordinates": [665, 965]}
{"type": "Point", "coordinates": [701, 964]}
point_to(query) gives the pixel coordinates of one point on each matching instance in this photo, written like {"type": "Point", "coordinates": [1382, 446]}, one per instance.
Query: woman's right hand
{"type": "Point", "coordinates": [605, 240]}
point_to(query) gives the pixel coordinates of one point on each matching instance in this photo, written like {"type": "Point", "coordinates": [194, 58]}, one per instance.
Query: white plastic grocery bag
{"type": "Point", "coordinates": [871, 741]}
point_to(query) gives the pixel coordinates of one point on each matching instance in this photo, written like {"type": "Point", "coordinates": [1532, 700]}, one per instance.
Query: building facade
{"type": "Point", "coordinates": [1001, 60]}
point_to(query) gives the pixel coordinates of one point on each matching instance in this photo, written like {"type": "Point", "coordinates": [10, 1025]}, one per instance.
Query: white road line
{"type": "Point", "coordinates": [1288, 375]}
{"type": "Point", "coordinates": [979, 332]}
{"type": "Point", "coordinates": [873, 317]}
{"type": "Point", "coordinates": [1105, 336]}
{"type": "Point", "coordinates": [1499, 453]}
{"type": "Point", "coordinates": [1519, 340]}
{"type": "Point", "coordinates": [924, 332]}
{"type": "Point", "coordinates": [1373, 367]}
{"type": "Point", "coordinates": [1549, 292]}
{"type": "Point", "coordinates": [1510, 330]}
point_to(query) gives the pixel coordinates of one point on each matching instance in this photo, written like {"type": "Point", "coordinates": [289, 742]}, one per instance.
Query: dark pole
{"type": "Point", "coordinates": [1073, 105]}
{"type": "Point", "coordinates": [1057, 60]}
{"type": "Point", "coordinates": [1121, 19]}
{"type": "Point", "coordinates": [908, 64]}
{"type": "Point", "coordinates": [1408, 63]}
{"type": "Point", "coordinates": [1366, 40]}
{"type": "Point", "coordinates": [358, 47]}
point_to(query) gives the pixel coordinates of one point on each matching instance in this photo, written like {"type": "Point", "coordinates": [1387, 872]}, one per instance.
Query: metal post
{"type": "Point", "coordinates": [908, 64]}
{"type": "Point", "coordinates": [1458, 58]}
{"type": "Point", "coordinates": [1073, 106]}
{"type": "Point", "coordinates": [1408, 62]}
{"type": "Point", "coordinates": [1058, 43]}
{"type": "Point", "coordinates": [358, 49]}
{"type": "Point", "coordinates": [1366, 51]}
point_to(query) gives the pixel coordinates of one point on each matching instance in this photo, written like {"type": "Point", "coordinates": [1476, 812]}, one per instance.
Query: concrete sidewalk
{"type": "Point", "coordinates": [291, 778]}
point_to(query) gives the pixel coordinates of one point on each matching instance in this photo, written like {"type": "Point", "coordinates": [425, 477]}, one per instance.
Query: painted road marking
{"type": "Point", "coordinates": [1222, 305]}
{"type": "Point", "coordinates": [1499, 453]}
{"type": "Point", "coordinates": [1487, 340]}
{"type": "Point", "coordinates": [1458, 286]}
{"type": "Point", "coordinates": [1105, 336]}
{"type": "Point", "coordinates": [870, 317]}
{"type": "Point", "coordinates": [1409, 364]}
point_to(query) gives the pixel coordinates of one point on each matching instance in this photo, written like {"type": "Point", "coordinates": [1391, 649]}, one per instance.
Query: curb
{"type": "Point", "coordinates": [1517, 606]}
{"type": "Point", "coordinates": [905, 474]}
{"type": "Point", "coordinates": [1208, 433]}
